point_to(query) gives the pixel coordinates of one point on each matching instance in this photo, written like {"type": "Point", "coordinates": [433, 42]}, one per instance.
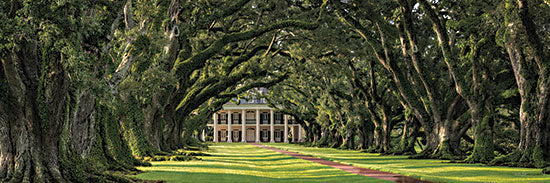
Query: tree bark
{"type": "Point", "coordinates": [38, 112]}
{"type": "Point", "coordinates": [533, 148]}
{"type": "Point", "coordinates": [408, 138]}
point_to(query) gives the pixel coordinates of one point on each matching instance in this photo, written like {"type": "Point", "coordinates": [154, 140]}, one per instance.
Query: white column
{"type": "Point", "coordinates": [215, 127]}
{"type": "Point", "coordinates": [257, 125]}
{"type": "Point", "coordinates": [293, 133]}
{"type": "Point", "coordinates": [243, 121]}
{"type": "Point", "coordinates": [285, 134]}
{"type": "Point", "coordinates": [202, 136]}
{"type": "Point", "coordinates": [272, 127]}
{"type": "Point", "coordinates": [300, 133]}
{"type": "Point", "coordinates": [229, 131]}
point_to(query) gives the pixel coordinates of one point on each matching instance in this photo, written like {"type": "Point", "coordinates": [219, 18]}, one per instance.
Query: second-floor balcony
{"type": "Point", "coordinates": [250, 121]}
{"type": "Point", "coordinates": [236, 121]}
{"type": "Point", "coordinates": [253, 121]}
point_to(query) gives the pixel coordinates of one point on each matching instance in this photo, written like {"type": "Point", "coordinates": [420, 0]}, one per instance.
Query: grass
{"type": "Point", "coordinates": [432, 170]}
{"type": "Point", "coordinates": [240, 162]}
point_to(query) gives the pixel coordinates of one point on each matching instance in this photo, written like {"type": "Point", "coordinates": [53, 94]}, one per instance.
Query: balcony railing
{"type": "Point", "coordinates": [236, 121]}
{"type": "Point", "coordinates": [250, 121]}
{"type": "Point", "coordinates": [253, 121]}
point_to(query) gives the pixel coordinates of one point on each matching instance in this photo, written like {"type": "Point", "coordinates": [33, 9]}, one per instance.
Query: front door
{"type": "Point", "coordinates": [223, 136]}
{"type": "Point", "coordinates": [250, 135]}
{"type": "Point", "coordinates": [265, 137]}
{"type": "Point", "coordinates": [235, 136]}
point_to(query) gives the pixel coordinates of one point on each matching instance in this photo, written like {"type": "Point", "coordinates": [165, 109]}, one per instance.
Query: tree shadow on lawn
{"type": "Point", "coordinates": [248, 162]}
{"type": "Point", "coordinates": [264, 155]}
{"type": "Point", "coordinates": [170, 176]}
{"type": "Point", "coordinates": [265, 168]}
{"type": "Point", "coordinates": [367, 159]}
{"type": "Point", "coordinates": [442, 170]}
{"type": "Point", "coordinates": [436, 170]}
{"type": "Point", "coordinates": [252, 158]}
{"type": "Point", "coordinates": [489, 176]}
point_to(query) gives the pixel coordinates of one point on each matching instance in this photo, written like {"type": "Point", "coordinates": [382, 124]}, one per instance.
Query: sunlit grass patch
{"type": "Point", "coordinates": [241, 162]}
{"type": "Point", "coordinates": [434, 170]}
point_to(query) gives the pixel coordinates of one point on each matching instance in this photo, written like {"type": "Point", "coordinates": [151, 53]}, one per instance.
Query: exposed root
{"type": "Point", "coordinates": [444, 151]}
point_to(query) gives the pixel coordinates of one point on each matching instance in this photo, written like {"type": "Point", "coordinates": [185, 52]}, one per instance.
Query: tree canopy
{"type": "Point", "coordinates": [94, 86]}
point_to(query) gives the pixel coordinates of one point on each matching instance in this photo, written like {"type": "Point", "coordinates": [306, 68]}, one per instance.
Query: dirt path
{"type": "Point", "coordinates": [348, 168]}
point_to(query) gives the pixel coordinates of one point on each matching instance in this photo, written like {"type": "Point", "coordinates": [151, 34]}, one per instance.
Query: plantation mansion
{"type": "Point", "coordinates": [251, 121]}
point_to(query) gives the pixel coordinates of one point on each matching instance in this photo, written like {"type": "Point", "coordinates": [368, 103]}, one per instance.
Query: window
{"type": "Point", "coordinates": [236, 118]}
{"type": "Point", "coordinates": [264, 117]}
{"type": "Point", "coordinates": [278, 118]}
{"type": "Point", "coordinates": [223, 118]}
{"type": "Point", "coordinates": [250, 117]}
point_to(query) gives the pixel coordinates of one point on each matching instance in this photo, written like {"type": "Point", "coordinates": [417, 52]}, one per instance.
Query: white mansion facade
{"type": "Point", "coordinates": [252, 121]}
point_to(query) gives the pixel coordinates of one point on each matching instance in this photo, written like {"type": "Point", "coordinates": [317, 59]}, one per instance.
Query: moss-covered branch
{"type": "Point", "coordinates": [183, 68]}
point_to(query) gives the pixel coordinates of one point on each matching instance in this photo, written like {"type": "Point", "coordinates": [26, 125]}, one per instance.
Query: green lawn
{"type": "Point", "coordinates": [240, 162]}
{"type": "Point", "coordinates": [434, 170]}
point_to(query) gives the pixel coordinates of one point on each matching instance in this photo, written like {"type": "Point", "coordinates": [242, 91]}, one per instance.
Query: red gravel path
{"type": "Point", "coordinates": [348, 168]}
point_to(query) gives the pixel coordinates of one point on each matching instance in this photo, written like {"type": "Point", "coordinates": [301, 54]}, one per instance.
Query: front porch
{"type": "Point", "coordinates": [251, 124]}
{"type": "Point", "coordinates": [250, 133]}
